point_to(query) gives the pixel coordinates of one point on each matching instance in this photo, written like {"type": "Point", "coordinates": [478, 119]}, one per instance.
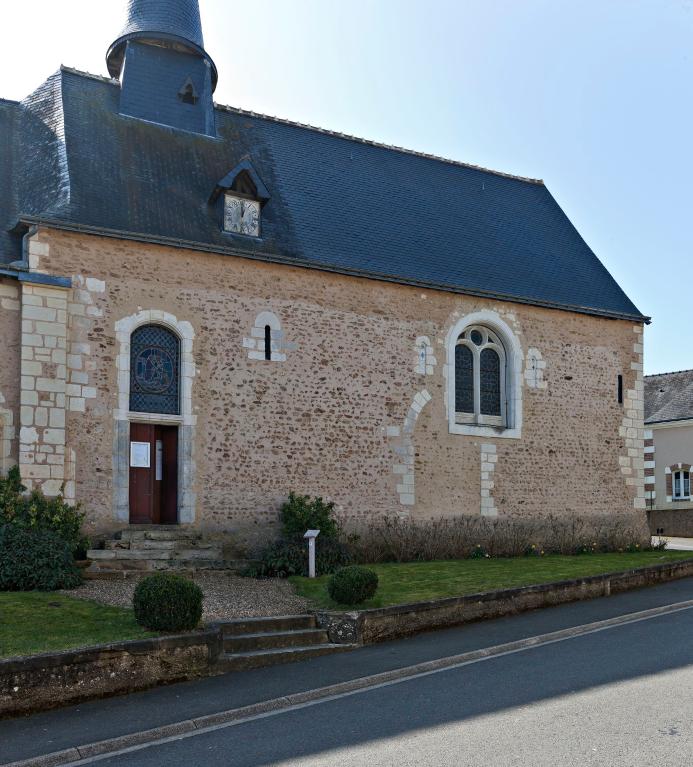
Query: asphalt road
{"type": "Point", "coordinates": [619, 697]}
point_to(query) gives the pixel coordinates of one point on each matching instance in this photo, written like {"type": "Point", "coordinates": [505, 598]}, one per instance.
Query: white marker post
{"type": "Point", "coordinates": [310, 536]}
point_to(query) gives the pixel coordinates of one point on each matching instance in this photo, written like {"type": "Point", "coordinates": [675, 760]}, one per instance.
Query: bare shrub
{"type": "Point", "coordinates": [389, 539]}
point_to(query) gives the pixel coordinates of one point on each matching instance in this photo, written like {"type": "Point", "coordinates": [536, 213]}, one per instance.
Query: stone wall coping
{"type": "Point", "coordinates": [489, 596]}
{"type": "Point", "coordinates": [85, 654]}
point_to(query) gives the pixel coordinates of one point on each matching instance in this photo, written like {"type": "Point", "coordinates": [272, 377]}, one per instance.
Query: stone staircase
{"type": "Point", "coordinates": [151, 548]}
{"type": "Point", "coordinates": [254, 642]}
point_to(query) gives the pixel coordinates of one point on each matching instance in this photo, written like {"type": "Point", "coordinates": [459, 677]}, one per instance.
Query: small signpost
{"type": "Point", "coordinates": [310, 536]}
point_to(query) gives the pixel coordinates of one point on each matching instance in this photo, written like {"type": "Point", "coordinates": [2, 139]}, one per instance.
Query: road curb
{"type": "Point", "coordinates": [199, 725]}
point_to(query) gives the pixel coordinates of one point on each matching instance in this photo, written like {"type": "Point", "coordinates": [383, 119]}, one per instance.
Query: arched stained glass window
{"type": "Point", "coordinates": [464, 380]}
{"type": "Point", "coordinates": [480, 375]}
{"type": "Point", "coordinates": [489, 382]}
{"type": "Point", "coordinates": [154, 371]}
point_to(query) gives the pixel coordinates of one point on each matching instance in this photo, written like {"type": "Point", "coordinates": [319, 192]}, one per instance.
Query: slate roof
{"type": "Point", "coordinates": [669, 396]}
{"type": "Point", "coordinates": [337, 203]}
{"type": "Point", "coordinates": [174, 20]}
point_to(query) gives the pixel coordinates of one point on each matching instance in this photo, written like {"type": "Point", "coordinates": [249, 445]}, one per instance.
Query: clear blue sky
{"type": "Point", "coordinates": [593, 96]}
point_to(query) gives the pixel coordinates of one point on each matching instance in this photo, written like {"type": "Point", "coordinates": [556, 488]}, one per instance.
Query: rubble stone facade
{"type": "Point", "coordinates": [345, 409]}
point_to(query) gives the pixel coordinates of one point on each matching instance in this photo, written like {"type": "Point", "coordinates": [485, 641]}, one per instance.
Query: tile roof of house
{"type": "Point", "coordinates": [337, 203]}
{"type": "Point", "coordinates": [669, 396]}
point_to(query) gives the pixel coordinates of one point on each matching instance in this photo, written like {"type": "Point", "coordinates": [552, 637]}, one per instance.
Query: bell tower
{"type": "Point", "coordinates": [165, 74]}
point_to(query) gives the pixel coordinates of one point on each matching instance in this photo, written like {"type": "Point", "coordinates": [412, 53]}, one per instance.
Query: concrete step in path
{"type": "Point", "coordinates": [252, 643]}
{"type": "Point", "coordinates": [153, 548]}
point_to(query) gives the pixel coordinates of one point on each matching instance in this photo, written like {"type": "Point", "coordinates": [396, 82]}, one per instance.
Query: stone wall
{"type": "Point", "coordinates": [387, 623]}
{"type": "Point", "coordinates": [58, 679]}
{"type": "Point", "coordinates": [352, 403]}
{"type": "Point", "coordinates": [10, 352]}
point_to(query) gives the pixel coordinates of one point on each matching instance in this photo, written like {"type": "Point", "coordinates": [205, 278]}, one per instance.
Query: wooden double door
{"type": "Point", "coordinates": [153, 474]}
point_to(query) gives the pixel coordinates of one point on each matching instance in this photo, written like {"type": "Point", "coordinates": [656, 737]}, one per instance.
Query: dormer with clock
{"type": "Point", "coordinates": [244, 195]}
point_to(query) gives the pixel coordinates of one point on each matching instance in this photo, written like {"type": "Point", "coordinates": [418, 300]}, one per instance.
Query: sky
{"type": "Point", "coordinates": [593, 96]}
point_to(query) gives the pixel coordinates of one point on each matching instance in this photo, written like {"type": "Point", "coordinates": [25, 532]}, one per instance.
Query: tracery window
{"type": "Point", "coordinates": [154, 370]}
{"type": "Point", "coordinates": [480, 375]}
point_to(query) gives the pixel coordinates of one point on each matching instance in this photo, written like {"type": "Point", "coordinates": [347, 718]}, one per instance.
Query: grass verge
{"type": "Point", "coordinates": [34, 622]}
{"type": "Point", "coordinates": [401, 583]}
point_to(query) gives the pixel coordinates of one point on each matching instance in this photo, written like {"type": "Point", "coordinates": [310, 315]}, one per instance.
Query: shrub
{"type": "Point", "coordinates": [35, 560]}
{"type": "Point", "coordinates": [352, 585]}
{"type": "Point", "coordinates": [37, 512]}
{"type": "Point", "coordinates": [290, 557]}
{"type": "Point", "coordinates": [165, 602]}
{"type": "Point", "coordinates": [395, 540]}
{"type": "Point", "coordinates": [301, 513]}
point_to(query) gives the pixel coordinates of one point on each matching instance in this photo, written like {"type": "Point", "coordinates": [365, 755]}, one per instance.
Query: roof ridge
{"type": "Point", "coordinates": [337, 134]}
{"type": "Point", "coordinates": [84, 73]}
{"type": "Point", "coordinates": [671, 373]}
{"type": "Point", "coordinates": [379, 144]}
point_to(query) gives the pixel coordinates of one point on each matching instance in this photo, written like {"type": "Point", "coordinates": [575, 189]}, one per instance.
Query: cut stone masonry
{"type": "Point", "coordinates": [43, 383]}
{"type": "Point", "coordinates": [255, 344]}
{"type": "Point", "coordinates": [425, 359]}
{"type": "Point", "coordinates": [632, 430]}
{"type": "Point", "coordinates": [488, 466]}
{"type": "Point", "coordinates": [403, 447]}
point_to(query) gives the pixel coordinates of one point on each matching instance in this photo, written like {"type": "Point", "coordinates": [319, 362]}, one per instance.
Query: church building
{"type": "Point", "coordinates": [204, 308]}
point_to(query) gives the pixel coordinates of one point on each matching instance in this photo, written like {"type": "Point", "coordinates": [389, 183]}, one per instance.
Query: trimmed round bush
{"type": "Point", "coordinates": [166, 602]}
{"type": "Point", "coordinates": [35, 560]}
{"type": "Point", "coordinates": [352, 585]}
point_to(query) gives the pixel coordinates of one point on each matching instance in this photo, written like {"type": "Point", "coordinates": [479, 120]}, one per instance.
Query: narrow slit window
{"type": "Point", "coordinates": [268, 342]}
{"type": "Point", "coordinates": [620, 390]}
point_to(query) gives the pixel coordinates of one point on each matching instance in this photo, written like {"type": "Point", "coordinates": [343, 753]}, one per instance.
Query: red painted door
{"type": "Point", "coordinates": [153, 474]}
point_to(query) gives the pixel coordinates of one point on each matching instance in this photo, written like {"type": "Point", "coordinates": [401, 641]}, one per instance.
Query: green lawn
{"type": "Point", "coordinates": [34, 622]}
{"type": "Point", "coordinates": [418, 581]}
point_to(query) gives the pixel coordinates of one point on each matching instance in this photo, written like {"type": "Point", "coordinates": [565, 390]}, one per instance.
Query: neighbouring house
{"type": "Point", "coordinates": [669, 452]}
{"type": "Point", "coordinates": [203, 308]}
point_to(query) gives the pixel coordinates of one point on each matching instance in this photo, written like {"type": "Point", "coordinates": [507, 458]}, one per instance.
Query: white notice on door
{"type": "Point", "coordinates": [139, 455]}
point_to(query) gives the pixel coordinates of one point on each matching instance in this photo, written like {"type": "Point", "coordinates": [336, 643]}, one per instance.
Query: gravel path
{"type": "Point", "coordinates": [226, 595]}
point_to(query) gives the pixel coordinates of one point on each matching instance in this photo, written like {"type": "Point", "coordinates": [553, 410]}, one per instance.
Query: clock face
{"type": "Point", "coordinates": [242, 216]}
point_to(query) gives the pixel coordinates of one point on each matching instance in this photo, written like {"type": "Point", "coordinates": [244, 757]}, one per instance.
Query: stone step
{"type": "Point", "coordinates": [242, 661]}
{"type": "Point", "coordinates": [267, 625]}
{"type": "Point", "coordinates": [142, 566]}
{"type": "Point", "coordinates": [275, 640]}
{"type": "Point", "coordinates": [155, 554]}
{"type": "Point", "coordinates": [175, 545]}
{"type": "Point", "coordinates": [160, 533]}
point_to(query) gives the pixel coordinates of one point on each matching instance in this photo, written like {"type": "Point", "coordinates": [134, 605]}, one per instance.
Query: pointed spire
{"type": "Point", "coordinates": [173, 23]}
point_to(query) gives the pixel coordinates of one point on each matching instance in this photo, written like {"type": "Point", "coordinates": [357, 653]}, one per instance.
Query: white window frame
{"type": "Point", "coordinates": [510, 426]}
{"type": "Point", "coordinates": [681, 496]}
{"type": "Point", "coordinates": [490, 340]}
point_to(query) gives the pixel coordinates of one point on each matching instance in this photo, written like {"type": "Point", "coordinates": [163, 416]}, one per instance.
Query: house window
{"type": "Point", "coordinates": [154, 371]}
{"type": "Point", "coordinates": [480, 373]}
{"type": "Point", "coordinates": [682, 485]}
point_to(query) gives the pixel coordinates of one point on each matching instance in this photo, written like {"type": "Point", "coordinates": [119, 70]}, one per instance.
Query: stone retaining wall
{"type": "Point", "coordinates": [47, 681]}
{"type": "Point", "coordinates": [378, 625]}
{"type": "Point", "coordinates": [57, 679]}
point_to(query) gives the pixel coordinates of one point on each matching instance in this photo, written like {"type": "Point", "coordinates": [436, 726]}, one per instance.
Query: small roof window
{"type": "Point", "coordinates": [244, 196]}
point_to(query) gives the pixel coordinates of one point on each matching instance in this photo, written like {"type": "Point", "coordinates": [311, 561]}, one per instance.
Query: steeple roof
{"type": "Point", "coordinates": [172, 23]}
